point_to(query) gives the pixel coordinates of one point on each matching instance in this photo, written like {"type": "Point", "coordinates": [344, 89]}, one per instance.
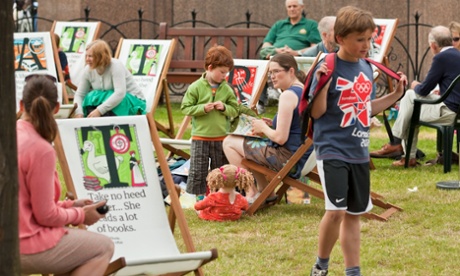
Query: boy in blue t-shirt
{"type": "Point", "coordinates": [342, 113]}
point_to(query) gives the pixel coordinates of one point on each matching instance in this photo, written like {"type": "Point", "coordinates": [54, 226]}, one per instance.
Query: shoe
{"type": "Point", "coordinates": [316, 271]}
{"type": "Point", "coordinates": [271, 199]}
{"type": "Point", "coordinates": [388, 151]}
{"type": "Point", "coordinates": [400, 163]}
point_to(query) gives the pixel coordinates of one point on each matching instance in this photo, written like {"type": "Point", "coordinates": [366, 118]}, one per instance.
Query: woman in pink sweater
{"type": "Point", "coordinates": [46, 244]}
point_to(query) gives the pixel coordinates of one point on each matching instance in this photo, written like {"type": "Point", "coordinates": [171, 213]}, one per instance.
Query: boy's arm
{"type": "Point", "coordinates": [319, 105]}
{"type": "Point", "coordinates": [189, 104]}
{"type": "Point", "coordinates": [231, 106]}
{"type": "Point", "coordinates": [382, 103]}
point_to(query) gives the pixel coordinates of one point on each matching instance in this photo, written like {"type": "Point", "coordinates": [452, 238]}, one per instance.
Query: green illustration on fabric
{"type": "Point", "coordinates": [110, 157]}
{"type": "Point", "coordinates": [74, 39]}
{"type": "Point", "coordinates": [143, 59]}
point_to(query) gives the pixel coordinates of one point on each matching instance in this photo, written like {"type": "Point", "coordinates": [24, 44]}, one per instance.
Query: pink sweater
{"type": "Point", "coordinates": [42, 216]}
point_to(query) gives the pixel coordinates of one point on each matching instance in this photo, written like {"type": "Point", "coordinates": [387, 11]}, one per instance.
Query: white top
{"type": "Point", "coordinates": [115, 77]}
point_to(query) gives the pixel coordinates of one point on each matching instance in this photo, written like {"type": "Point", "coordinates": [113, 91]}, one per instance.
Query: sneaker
{"type": "Point", "coordinates": [316, 271]}
{"type": "Point", "coordinates": [388, 151]}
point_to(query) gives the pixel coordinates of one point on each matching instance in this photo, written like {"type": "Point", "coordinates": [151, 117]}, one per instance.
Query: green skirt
{"type": "Point", "coordinates": [130, 105]}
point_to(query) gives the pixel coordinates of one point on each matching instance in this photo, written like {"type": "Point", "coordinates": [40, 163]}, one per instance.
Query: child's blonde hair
{"type": "Point", "coordinates": [229, 176]}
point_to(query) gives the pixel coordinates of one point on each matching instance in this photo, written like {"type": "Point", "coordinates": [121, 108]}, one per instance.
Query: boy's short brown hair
{"type": "Point", "coordinates": [218, 56]}
{"type": "Point", "coordinates": [352, 19]}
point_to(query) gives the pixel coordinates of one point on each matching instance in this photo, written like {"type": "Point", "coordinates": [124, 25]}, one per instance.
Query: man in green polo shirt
{"type": "Point", "coordinates": [292, 35]}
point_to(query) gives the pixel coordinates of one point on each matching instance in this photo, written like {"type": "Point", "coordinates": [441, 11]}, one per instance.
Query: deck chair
{"type": "Point", "coordinates": [445, 133]}
{"type": "Point", "coordinates": [28, 61]}
{"type": "Point", "coordinates": [113, 158]}
{"type": "Point", "coordinates": [148, 60]}
{"type": "Point", "coordinates": [282, 178]}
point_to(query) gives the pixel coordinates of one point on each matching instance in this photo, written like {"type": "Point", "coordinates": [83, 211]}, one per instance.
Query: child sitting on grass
{"type": "Point", "coordinates": [224, 203]}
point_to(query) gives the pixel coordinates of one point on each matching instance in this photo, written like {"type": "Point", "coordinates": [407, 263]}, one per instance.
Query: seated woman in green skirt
{"type": "Point", "coordinates": [107, 88]}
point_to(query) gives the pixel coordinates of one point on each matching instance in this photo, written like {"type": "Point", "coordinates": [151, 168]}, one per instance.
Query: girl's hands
{"type": "Point", "coordinates": [82, 202]}
{"type": "Point", "coordinates": [91, 214]}
{"type": "Point", "coordinates": [95, 113]}
{"type": "Point", "coordinates": [268, 121]}
{"type": "Point", "coordinates": [258, 127]}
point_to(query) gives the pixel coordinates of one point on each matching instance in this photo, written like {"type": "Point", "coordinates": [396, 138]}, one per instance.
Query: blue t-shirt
{"type": "Point", "coordinates": [342, 132]}
{"type": "Point", "coordinates": [295, 139]}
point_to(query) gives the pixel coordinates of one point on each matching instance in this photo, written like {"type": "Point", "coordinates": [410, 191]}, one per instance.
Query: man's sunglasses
{"type": "Point", "coordinates": [32, 76]}
{"type": "Point", "coordinates": [455, 39]}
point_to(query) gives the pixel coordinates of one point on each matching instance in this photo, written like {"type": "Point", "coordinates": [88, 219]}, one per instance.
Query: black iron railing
{"type": "Point", "coordinates": [410, 60]}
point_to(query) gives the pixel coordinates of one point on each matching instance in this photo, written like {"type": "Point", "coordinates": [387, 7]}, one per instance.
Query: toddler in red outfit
{"type": "Point", "coordinates": [224, 203]}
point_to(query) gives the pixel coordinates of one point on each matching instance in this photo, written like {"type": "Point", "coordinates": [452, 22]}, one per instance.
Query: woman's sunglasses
{"type": "Point", "coordinates": [455, 39]}
{"type": "Point", "coordinates": [32, 76]}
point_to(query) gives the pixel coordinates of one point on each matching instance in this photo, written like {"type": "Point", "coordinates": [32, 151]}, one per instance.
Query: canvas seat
{"type": "Point", "coordinates": [137, 222]}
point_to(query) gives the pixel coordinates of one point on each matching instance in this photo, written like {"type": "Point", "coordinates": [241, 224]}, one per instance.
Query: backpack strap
{"type": "Point", "coordinates": [305, 102]}
{"type": "Point", "coordinates": [384, 69]}
{"type": "Point", "coordinates": [330, 60]}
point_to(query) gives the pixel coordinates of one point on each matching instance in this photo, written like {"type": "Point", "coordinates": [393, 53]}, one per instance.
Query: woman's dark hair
{"type": "Point", "coordinates": [39, 98]}
{"type": "Point", "coordinates": [287, 62]}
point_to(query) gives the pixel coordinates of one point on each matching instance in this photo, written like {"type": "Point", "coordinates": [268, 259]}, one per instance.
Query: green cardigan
{"type": "Point", "coordinates": [216, 123]}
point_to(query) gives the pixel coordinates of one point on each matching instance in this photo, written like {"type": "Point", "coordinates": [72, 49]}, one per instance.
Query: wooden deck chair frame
{"type": "Point", "coordinates": [175, 146]}
{"type": "Point", "coordinates": [60, 74]}
{"type": "Point", "coordinates": [175, 212]}
{"type": "Point", "coordinates": [161, 90]}
{"type": "Point", "coordinates": [282, 177]}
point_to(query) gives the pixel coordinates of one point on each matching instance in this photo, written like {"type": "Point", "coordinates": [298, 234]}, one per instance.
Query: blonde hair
{"type": "Point", "coordinates": [454, 27]}
{"type": "Point", "coordinates": [229, 176]}
{"type": "Point", "coordinates": [102, 54]}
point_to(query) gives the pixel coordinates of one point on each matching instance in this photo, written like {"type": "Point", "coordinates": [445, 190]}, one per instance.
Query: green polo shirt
{"type": "Point", "coordinates": [298, 36]}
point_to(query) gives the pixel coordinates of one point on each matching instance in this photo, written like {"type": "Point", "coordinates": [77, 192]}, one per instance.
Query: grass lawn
{"type": "Point", "coordinates": [282, 240]}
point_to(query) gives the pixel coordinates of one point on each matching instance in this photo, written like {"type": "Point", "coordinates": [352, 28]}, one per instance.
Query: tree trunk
{"type": "Point", "coordinates": [9, 249]}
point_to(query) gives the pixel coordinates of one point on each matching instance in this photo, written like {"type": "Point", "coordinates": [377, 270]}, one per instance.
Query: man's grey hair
{"type": "Point", "coordinates": [299, 1]}
{"type": "Point", "coordinates": [326, 24]}
{"type": "Point", "coordinates": [441, 36]}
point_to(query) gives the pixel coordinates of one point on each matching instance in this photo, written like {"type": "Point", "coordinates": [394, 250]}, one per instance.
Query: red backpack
{"type": "Point", "coordinates": [306, 104]}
